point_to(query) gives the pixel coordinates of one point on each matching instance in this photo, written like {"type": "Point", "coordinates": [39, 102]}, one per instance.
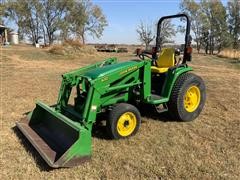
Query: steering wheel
{"type": "Point", "coordinates": [143, 55]}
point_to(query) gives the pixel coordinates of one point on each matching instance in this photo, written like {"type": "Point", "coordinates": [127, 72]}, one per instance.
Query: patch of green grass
{"type": "Point", "coordinates": [236, 63]}
{"type": "Point", "coordinates": [222, 61]}
{"type": "Point", "coordinates": [232, 62]}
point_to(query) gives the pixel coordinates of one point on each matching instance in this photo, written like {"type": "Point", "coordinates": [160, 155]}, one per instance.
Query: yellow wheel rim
{"type": "Point", "coordinates": [126, 124]}
{"type": "Point", "coordinates": [192, 98]}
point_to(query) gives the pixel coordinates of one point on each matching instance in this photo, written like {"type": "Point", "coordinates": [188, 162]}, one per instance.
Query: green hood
{"type": "Point", "coordinates": [105, 70]}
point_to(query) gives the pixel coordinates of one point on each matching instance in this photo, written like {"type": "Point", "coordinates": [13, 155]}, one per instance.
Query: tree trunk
{"type": "Point", "coordinates": [147, 45]}
{"type": "Point", "coordinates": [206, 48]}
{"type": "Point", "coordinates": [33, 36]}
{"type": "Point", "coordinates": [211, 45]}
{"type": "Point", "coordinates": [83, 38]}
{"type": "Point", "coordinates": [20, 34]}
{"type": "Point", "coordinates": [50, 37]}
{"type": "Point", "coordinates": [235, 43]}
{"type": "Point", "coordinates": [212, 50]}
{"type": "Point", "coordinates": [44, 36]}
{"type": "Point", "coordinates": [219, 48]}
{"type": "Point", "coordinates": [198, 47]}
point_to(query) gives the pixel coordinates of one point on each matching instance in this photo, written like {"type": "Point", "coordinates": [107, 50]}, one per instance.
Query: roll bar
{"type": "Point", "coordinates": [187, 35]}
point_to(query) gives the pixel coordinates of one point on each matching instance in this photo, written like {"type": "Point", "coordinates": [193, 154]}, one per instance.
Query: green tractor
{"type": "Point", "coordinates": [62, 133]}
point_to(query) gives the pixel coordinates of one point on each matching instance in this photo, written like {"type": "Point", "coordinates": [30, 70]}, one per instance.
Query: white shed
{"type": "Point", "coordinates": [13, 38]}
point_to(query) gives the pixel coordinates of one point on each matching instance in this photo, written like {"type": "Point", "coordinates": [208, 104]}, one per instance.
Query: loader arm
{"type": "Point", "coordinates": [108, 85]}
{"type": "Point", "coordinates": [74, 78]}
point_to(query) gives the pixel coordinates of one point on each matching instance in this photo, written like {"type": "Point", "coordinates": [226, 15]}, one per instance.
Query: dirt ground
{"type": "Point", "coordinates": [207, 148]}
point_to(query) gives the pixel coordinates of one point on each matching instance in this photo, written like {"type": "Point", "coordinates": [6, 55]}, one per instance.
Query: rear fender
{"type": "Point", "coordinates": [172, 76]}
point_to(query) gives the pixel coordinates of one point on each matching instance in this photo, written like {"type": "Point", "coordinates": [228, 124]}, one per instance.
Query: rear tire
{"type": "Point", "coordinates": [123, 121]}
{"type": "Point", "coordinates": [187, 98]}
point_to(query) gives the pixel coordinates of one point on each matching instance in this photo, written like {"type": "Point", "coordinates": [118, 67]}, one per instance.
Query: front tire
{"type": "Point", "coordinates": [123, 121]}
{"type": "Point", "coordinates": [187, 98]}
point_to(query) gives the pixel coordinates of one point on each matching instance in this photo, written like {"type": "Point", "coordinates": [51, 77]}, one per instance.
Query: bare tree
{"type": "Point", "coordinates": [167, 31]}
{"type": "Point", "coordinates": [145, 33]}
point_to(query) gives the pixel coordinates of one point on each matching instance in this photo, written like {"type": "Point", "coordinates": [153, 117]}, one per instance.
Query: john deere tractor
{"type": "Point", "coordinates": [62, 133]}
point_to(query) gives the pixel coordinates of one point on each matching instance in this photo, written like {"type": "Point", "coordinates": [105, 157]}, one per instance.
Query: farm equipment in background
{"type": "Point", "coordinates": [101, 48]}
{"type": "Point", "coordinates": [110, 48]}
{"type": "Point", "coordinates": [62, 133]}
{"type": "Point", "coordinates": [106, 48]}
{"type": "Point", "coordinates": [122, 50]}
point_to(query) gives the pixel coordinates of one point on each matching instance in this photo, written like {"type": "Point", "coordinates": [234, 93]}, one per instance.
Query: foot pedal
{"type": "Point", "coordinates": [161, 108]}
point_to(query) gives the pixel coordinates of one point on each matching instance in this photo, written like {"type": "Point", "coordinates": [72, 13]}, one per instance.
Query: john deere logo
{"type": "Point", "coordinates": [128, 70]}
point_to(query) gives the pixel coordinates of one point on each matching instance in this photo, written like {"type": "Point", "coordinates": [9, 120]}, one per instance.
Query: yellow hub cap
{"type": "Point", "coordinates": [192, 99]}
{"type": "Point", "coordinates": [126, 124]}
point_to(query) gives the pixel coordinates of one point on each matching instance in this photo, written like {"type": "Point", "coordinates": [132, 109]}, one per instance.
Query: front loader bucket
{"type": "Point", "coordinates": [60, 141]}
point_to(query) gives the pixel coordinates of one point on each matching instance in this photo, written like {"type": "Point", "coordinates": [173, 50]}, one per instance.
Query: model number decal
{"type": "Point", "coordinates": [104, 79]}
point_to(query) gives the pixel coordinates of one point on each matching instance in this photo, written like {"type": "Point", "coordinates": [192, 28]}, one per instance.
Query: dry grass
{"type": "Point", "coordinates": [74, 49]}
{"type": "Point", "coordinates": [230, 53]}
{"type": "Point", "coordinates": [57, 49]}
{"type": "Point", "coordinates": [207, 148]}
